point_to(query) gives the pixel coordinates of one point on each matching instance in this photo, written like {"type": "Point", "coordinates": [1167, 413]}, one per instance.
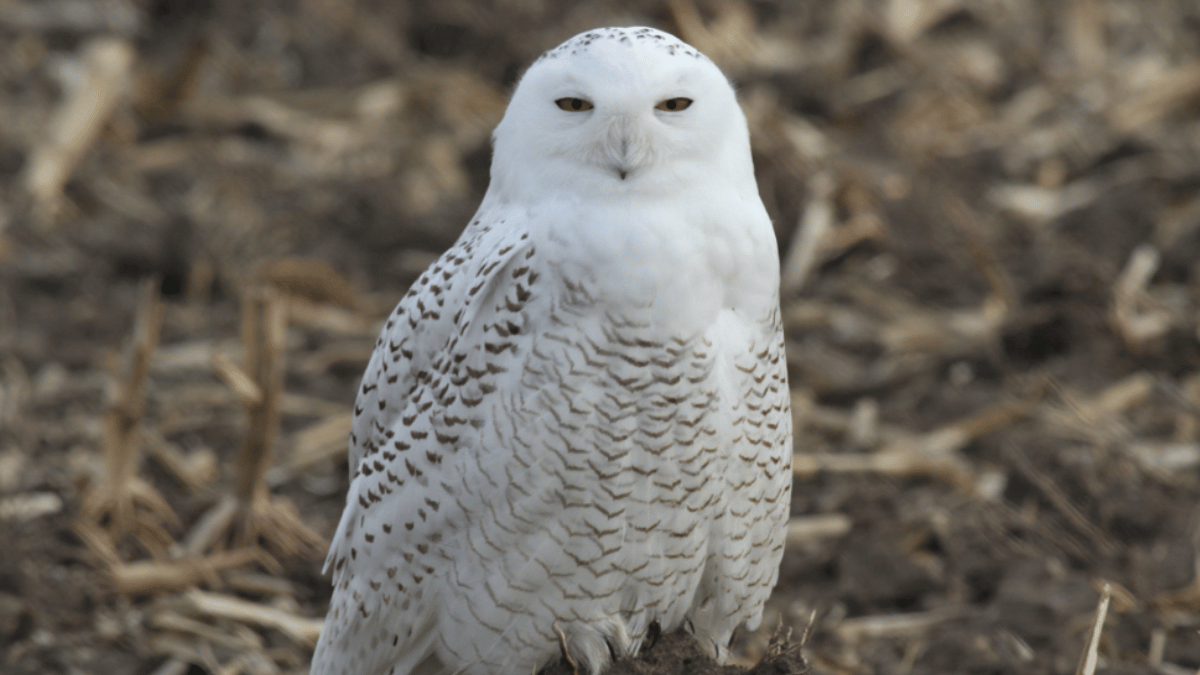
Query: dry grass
{"type": "Point", "coordinates": [989, 221]}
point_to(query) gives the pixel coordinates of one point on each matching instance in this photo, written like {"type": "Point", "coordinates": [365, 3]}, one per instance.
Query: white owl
{"type": "Point", "coordinates": [577, 419]}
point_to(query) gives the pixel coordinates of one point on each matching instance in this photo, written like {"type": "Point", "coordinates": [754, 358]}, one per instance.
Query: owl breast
{"type": "Point", "coordinates": [635, 462]}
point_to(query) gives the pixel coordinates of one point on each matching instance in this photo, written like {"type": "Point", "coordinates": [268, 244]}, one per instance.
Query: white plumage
{"type": "Point", "coordinates": [578, 417]}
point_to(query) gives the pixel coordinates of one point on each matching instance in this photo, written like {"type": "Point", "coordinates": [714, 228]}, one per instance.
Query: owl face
{"type": "Point", "coordinates": [621, 110]}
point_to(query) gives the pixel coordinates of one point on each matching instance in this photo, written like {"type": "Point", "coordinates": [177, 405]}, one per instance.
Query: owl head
{"type": "Point", "coordinates": [621, 110]}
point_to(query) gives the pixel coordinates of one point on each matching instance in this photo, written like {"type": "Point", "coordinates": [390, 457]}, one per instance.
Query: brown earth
{"type": "Point", "coordinates": [992, 306]}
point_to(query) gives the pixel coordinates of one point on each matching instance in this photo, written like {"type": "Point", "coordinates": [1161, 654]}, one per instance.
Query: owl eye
{"type": "Point", "coordinates": [573, 104]}
{"type": "Point", "coordinates": [674, 104]}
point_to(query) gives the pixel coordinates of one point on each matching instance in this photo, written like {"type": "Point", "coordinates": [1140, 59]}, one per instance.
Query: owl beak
{"type": "Point", "coordinates": [621, 143]}
{"type": "Point", "coordinates": [623, 162]}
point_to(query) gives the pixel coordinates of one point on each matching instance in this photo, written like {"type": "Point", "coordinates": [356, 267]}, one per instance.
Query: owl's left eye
{"type": "Point", "coordinates": [674, 104]}
{"type": "Point", "coordinates": [573, 104]}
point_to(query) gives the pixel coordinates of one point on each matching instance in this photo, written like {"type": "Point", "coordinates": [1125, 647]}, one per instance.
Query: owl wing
{"type": "Point", "coordinates": [433, 366]}
{"type": "Point", "coordinates": [759, 477]}
{"type": "Point", "coordinates": [425, 322]}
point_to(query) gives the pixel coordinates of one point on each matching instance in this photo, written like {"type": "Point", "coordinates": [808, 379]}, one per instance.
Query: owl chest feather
{"type": "Point", "coordinates": [689, 259]}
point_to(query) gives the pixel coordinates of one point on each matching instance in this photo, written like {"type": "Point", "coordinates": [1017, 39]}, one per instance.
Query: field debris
{"type": "Point", "coordinates": [988, 217]}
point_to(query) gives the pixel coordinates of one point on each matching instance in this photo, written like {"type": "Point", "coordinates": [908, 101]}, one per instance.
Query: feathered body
{"type": "Point", "coordinates": [577, 419]}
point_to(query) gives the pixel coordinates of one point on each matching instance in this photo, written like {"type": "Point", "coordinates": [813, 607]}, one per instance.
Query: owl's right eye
{"type": "Point", "coordinates": [573, 104]}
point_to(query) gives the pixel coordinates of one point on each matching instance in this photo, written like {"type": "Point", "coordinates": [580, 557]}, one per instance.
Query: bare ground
{"type": "Point", "coordinates": [989, 217]}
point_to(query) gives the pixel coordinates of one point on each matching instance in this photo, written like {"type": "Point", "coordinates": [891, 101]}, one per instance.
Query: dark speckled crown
{"type": "Point", "coordinates": [627, 36]}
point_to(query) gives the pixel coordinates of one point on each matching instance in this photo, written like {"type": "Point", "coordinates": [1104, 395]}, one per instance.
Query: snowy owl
{"type": "Point", "coordinates": [574, 431]}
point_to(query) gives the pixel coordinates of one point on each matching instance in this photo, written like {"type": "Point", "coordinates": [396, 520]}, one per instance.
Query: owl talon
{"type": "Point", "coordinates": [562, 645]}
{"type": "Point", "coordinates": [653, 634]}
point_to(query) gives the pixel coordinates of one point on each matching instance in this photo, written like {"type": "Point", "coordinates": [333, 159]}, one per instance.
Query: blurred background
{"type": "Point", "coordinates": [989, 220]}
